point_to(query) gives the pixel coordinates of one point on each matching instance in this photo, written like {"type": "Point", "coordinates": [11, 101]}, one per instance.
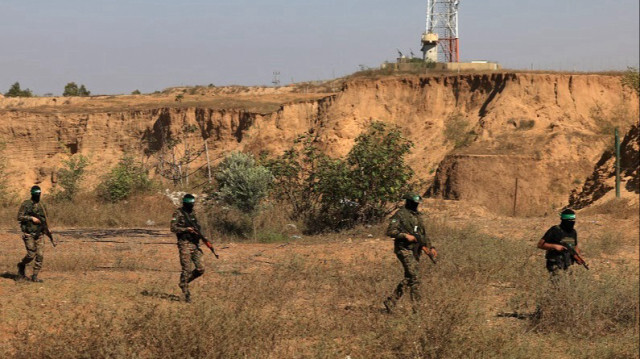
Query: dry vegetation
{"type": "Point", "coordinates": [116, 297]}
{"type": "Point", "coordinates": [88, 211]}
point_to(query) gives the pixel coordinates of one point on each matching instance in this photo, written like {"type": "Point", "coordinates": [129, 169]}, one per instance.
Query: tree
{"type": "Point", "coordinates": [339, 193]}
{"type": "Point", "coordinates": [72, 89]}
{"type": "Point", "coordinates": [242, 183]}
{"type": "Point", "coordinates": [82, 91]}
{"type": "Point", "coordinates": [16, 91]}
{"type": "Point", "coordinates": [70, 175]}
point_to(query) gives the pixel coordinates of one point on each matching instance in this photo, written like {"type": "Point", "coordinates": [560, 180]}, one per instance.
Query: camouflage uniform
{"type": "Point", "coordinates": [406, 221]}
{"type": "Point", "coordinates": [32, 234]}
{"type": "Point", "coordinates": [188, 246]}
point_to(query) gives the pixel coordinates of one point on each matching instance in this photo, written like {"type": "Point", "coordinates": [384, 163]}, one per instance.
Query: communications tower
{"type": "Point", "coordinates": [441, 31]}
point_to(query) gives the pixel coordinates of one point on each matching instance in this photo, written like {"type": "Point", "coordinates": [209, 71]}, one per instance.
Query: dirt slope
{"type": "Point", "coordinates": [546, 128]}
{"type": "Point", "coordinates": [602, 180]}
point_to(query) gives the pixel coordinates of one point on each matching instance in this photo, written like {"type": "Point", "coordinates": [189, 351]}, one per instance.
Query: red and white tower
{"type": "Point", "coordinates": [442, 25]}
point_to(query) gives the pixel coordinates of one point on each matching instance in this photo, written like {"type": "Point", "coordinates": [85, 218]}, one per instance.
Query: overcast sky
{"type": "Point", "coordinates": [117, 46]}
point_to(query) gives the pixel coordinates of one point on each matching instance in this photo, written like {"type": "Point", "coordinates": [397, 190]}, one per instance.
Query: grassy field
{"type": "Point", "coordinates": [114, 294]}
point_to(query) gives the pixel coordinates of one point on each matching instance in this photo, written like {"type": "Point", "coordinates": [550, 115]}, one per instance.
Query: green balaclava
{"type": "Point", "coordinates": [188, 201]}
{"type": "Point", "coordinates": [568, 219]}
{"type": "Point", "coordinates": [412, 200]}
{"type": "Point", "coordinates": [35, 194]}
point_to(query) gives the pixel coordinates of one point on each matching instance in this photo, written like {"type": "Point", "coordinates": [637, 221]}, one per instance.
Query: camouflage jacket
{"type": "Point", "coordinates": [181, 221]}
{"type": "Point", "coordinates": [406, 221]}
{"type": "Point", "coordinates": [27, 210]}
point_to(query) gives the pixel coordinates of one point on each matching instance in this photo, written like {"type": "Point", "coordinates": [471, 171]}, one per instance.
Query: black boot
{"type": "Point", "coordinates": [34, 278]}
{"type": "Point", "coordinates": [21, 267]}
{"type": "Point", "coordinates": [185, 290]}
{"type": "Point", "coordinates": [195, 274]}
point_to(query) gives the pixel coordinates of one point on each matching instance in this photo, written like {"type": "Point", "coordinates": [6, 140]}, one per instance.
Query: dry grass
{"type": "Point", "coordinates": [622, 208]}
{"type": "Point", "coordinates": [87, 211]}
{"type": "Point", "coordinates": [316, 298]}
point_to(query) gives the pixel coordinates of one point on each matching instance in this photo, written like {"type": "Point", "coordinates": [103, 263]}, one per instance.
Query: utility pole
{"type": "Point", "coordinates": [617, 144]}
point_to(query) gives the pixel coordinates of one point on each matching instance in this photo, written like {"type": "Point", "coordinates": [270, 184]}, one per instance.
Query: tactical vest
{"type": "Point", "coordinates": [32, 210]}
{"type": "Point", "coordinates": [409, 223]}
{"type": "Point", "coordinates": [562, 259]}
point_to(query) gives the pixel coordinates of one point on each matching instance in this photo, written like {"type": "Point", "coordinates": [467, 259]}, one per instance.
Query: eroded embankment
{"type": "Point", "coordinates": [545, 129]}
{"type": "Point", "coordinates": [602, 180]}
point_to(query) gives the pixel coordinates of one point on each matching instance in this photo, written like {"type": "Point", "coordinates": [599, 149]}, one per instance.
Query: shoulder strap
{"type": "Point", "coordinates": [189, 220]}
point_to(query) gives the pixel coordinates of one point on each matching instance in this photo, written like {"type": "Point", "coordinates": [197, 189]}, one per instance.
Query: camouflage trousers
{"type": "Point", "coordinates": [411, 280]}
{"type": "Point", "coordinates": [35, 250]}
{"type": "Point", "coordinates": [190, 258]}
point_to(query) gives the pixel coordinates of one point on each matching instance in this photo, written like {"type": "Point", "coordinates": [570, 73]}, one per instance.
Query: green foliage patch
{"type": "Point", "coordinates": [126, 178]}
{"type": "Point", "coordinates": [70, 176]}
{"type": "Point", "coordinates": [72, 89]}
{"type": "Point", "coordinates": [337, 193]}
{"type": "Point", "coordinates": [16, 91]}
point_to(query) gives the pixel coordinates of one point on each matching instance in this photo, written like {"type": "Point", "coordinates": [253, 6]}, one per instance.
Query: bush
{"type": "Point", "coordinates": [340, 193]}
{"type": "Point", "coordinates": [456, 130]}
{"type": "Point", "coordinates": [69, 177]}
{"type": "Point", "coordinates": [135, 92]}
{"type": "Point", "coordinates": [72, 89]}
{"type": "Point", "coordinates": [126, 178]}
{"type": "Point", "coordinates": [16, 91]}
{"type": "Point", "coordinates": [242, 184]}
{"type": "Point", "coordinates": [631, 78]}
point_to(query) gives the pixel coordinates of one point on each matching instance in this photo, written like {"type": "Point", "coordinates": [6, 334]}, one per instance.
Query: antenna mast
{"type": "Point", "coordinates": [442, 29]}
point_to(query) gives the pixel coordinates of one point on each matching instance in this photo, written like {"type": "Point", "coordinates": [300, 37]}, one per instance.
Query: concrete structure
{"type": "Point", "coordinates": [430, 47]}
{"type": "Point", "coordinates": [414, 65]}
{"type": "Point", "coordinates": [468, 66]}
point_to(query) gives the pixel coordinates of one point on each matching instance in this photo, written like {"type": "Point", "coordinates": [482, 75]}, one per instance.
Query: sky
{"type": "Point", "coordinates": [117, 46]}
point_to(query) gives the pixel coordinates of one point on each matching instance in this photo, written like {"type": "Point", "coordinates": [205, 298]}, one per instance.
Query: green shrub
{"type": "Point", "coordinates": [16, 91]}
{"type": "Point", "coordinates": [333, 194]}
{"type": "Point", "coordinates": [631, 79]}
{"type": "Point", "coordinates": [126, 178]}
{"type": "Point", "coordinates": [135, 92]}
{"type": "Point", "coordinates": [69, 177]}
{"type": "Point", "coordinates": [242, 183]}
{"type": "Point", "coordinates": [456, 130]}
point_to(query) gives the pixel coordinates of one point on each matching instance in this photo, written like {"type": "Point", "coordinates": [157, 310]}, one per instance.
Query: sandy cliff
{"type": "Point", "coordinates": [602, 180]}
{"type": "Point", "coordinates": [548, 130]}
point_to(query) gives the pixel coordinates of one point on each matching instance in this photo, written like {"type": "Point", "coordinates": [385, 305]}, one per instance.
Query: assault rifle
{"type": "Point", "coordinates": [44, 228]}
{"type": "Point", "coordinates": [574, 254]}
{"type": "Point", "coordinates": [420, 247]}
{"type": "Point", "coordinates": [200, 235]}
